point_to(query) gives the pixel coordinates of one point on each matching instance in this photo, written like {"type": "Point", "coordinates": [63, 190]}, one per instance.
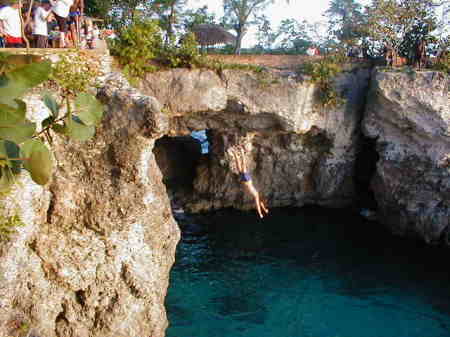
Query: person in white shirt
{"type": "Point", "coordinates": [61, 9]}
{"type": "Point", "coordinates": [10, 25]}
{"type": "Point", "coordinates": [42, 15]}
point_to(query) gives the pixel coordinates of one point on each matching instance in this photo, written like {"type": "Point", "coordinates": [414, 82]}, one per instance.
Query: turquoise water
{"type": "Point", "coordinates": [305, 273]}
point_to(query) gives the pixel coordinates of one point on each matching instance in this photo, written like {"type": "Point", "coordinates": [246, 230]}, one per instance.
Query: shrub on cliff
{"type": "Point", "coordinates": [185, 55]}
{"type": "Point", "coordinates": [140, 49]}
{"type": "Point", "coordinates": [137, 46]}
{"type": "Point", "coordinates": [322, 73]}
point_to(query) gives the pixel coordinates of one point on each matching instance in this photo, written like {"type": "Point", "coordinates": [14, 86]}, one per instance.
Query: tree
{"type": "Point", "coordinates": [294, 36]}
{"type": "Point", "coordinates": [265, 35]}
{"type": "Point", "coordinates": [97, 8]}
{"type": "Point", "coordinates": [169, 13]}
{"type": "Point", "coordinates": [198, 17]}
{"type": "Point", "coordinates": [124, 11]}
{"type": "Point", "coordinates": [238, 15]}
{"type": "Point", "coordinates": [345, 20]}
{"type": "Point", "coordinates": [116, 12]}
{"type": "Point", "coordinates": [391, 21]}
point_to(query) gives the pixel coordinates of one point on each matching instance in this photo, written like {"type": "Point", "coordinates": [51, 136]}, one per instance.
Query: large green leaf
{"type": "Point", "coordinates": [17, 82]}
{"type": "Point", "coordinates": [88, 109]}
{"type": "Point", "coordinates": [11, 115]}
{"type": "Point", "coordinates": [76, 130]}
{"type": "Point", "coordinates": [17, 133]}
{"type": "Point", "coordinates": [51, 104]}
{"type": "Point", "coordinates": [39, 161]}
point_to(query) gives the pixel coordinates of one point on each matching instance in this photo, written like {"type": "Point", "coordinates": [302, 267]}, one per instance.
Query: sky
{"type": "Point", "coordinates": [311, 10]}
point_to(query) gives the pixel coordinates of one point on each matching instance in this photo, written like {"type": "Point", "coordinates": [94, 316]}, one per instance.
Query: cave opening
{"type": "Point", "coordinates": [178, 158]}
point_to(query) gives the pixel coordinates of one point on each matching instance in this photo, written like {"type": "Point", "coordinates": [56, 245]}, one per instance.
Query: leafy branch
{"type": "Point", "coordinates": [21, 144]}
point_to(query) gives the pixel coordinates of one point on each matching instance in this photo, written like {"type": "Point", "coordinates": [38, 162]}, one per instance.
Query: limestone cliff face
{"type": "Point", "coordinates": [409, 116]}
{"type": "Point", "coordinates": [94, 261]}
{"type": "Point", "coordinates": [94, 254]}
{"type": "Point", "coordinates": [298, 151]}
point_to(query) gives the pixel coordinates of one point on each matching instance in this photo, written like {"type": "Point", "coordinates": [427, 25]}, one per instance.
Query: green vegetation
{"type": "Point", "coordinates": [137, 46]}
{"type": "Point", "coordinates": [8, 226]}
{"type": "Point", "coordinates": [322, 72]}
{"type": "Point", "coordinates": [140, 49]}
{"type": "Point", "coordinates": [74, 73]}
{"type": "Point", "coordinates": [356, 28]}
{"type": "Point", "coordinates": [443, 64]}
{"type": "Point", "coordinates": [21, 143]}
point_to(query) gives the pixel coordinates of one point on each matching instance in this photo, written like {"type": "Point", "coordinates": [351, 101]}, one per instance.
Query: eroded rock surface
{"type": "Point", "coordinates": [94, 256]}
{"type": "Point", "coordinates": [298, 151]}
{"type": "Point", "coordinates": [409, 115]}
{"type": "Point", "coordinates": [96, 261]}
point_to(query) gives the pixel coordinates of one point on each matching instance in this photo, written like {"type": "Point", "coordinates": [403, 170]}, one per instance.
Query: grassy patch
{"type": "Point", "coordinates": [322, 72]}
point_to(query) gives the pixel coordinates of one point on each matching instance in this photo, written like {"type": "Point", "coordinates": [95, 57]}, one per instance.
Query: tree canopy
{"type": "Point", "coordinates": [398, 24]}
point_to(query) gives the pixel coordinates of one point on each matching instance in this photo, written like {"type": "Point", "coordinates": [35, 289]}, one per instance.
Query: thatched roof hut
{"type": "Point", "coordinates": [210, 34]}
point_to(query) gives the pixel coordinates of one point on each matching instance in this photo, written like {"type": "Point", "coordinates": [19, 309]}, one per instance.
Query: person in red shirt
{"type": "Point", "coordinates": [11, 26]}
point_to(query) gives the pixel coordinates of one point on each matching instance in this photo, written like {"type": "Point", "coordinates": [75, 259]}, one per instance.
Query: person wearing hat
{"type": "Point", "coordinates": [11, 26]}
{"type": "Point", "coordinates": [42, 15]}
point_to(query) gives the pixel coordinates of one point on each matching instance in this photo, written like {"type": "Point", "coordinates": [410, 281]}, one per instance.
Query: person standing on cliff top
{"type": "Point", "coordinates": [42, 16]}
{"type": "Point", "coordinates": [61, 10]}
{"type": "Point", "coordinates": [239, 156]}
{"type": "Point", "coordinates": [75, 15]}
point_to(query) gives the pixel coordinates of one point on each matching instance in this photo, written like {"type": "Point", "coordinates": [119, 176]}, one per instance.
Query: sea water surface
{"type": "Point", "coordinates": [305, 273]}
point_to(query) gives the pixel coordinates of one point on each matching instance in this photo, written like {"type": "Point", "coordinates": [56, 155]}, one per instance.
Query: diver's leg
{"type": "Point", "coordinates": [254, 193]}
{"type": "Point", "coordinates": [263, 207]}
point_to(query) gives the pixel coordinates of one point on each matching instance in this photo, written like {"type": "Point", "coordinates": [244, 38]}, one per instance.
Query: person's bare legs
{"type": "Point", "coordinates": [260, 206]}
{"type": "Point", "coordinates": [239, 157]}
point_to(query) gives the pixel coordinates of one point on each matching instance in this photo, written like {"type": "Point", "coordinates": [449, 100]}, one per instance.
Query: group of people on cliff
{"type": "Point", "coordinates": [47, 23]}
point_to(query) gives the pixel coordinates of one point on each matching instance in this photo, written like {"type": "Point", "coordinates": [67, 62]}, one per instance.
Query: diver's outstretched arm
{"type": "Point", "coordinates": [244, 163]}
{"type": "Point", "coordinates": [236, 159]}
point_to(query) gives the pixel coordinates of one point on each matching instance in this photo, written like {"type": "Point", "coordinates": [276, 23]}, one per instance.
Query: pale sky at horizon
{"type": "Point", "coordinates": [312, 11]}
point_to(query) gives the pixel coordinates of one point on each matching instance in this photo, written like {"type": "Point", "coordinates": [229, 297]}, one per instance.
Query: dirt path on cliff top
{"type": "Point", "coordinates": [275, 62]}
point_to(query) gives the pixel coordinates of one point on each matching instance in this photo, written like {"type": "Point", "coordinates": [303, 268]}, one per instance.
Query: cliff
{"type": "Point", "coordinates": [409, 116]}
{"type": "Point", "coordinates": [94, 254]}
{"type": "Point", "coordinates": [298, 151]}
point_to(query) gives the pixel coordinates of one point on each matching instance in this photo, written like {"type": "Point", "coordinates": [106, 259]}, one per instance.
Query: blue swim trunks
{"type": "Point", "coordinates": [245, 177]}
